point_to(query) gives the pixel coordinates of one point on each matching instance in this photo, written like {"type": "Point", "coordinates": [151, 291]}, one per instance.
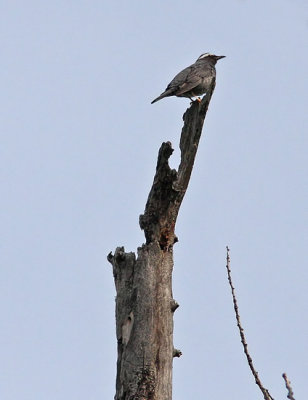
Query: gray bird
{"type": "Point", "coordinates": [194, 80]}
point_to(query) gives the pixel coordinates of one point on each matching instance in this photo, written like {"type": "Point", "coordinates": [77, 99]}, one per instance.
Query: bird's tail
{"type": "Point", "coordinates": [157, 98]}
{"type": "Point", "coordinates": [166, 93]}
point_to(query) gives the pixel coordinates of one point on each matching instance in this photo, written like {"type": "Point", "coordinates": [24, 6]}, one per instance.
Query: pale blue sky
{"type": "Point", "coordinates": [79, 142]}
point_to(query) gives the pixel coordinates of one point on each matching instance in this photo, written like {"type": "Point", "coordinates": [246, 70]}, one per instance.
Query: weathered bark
{"type": "Point", "coordinates": [144, 302]}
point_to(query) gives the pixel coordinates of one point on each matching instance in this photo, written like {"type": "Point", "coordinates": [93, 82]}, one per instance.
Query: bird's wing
{"type": "Point", "coordinates": [181, 78]}
{"type": "Point", "coordinates": [176, 84]}
{"type": "Point", "coordinates": [188, 79]}
{"type": "Point", "coordinates": [188, 85]}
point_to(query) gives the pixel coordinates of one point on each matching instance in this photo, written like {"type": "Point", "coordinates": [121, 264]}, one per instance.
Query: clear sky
{"type": "Point", "coordinates": [79, 143]}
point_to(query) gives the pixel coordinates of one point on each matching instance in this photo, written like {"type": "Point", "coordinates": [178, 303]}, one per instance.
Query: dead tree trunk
{"type": "Point", "coordinates": [144, 302]}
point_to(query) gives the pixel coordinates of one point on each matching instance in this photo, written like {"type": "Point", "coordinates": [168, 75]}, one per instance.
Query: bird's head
{"type": "Point", "coordinates": [209, 57]}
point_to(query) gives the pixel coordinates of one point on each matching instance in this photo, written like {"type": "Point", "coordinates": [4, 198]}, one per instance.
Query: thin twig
{"type": "Point", "coordinates": [265, 392]}
{"type": "Point", "coordinates": [288, 386]}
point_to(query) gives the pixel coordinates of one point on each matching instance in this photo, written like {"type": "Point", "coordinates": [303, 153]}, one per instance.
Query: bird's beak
{"type": "Point", "coordinates": [219, 57]}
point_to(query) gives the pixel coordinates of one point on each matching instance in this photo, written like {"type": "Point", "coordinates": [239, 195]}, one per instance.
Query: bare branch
{"type": "Point", "coordinates": [264, 391]}
{"type": "Point", "coordinates": [288, 386]}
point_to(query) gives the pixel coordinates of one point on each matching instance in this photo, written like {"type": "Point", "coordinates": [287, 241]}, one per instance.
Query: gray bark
{"type": "Point", "coordinates": [144, 302]}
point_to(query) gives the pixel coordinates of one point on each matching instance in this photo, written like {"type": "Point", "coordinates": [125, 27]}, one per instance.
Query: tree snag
{"type": "Point", "coordinates": [144, 301]}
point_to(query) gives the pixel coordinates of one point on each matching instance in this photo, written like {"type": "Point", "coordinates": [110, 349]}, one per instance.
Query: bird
{"type": "Point", "coordinates": [194, 80]}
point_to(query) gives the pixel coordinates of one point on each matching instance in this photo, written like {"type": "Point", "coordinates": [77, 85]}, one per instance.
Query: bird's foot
{"type": "Point", "coordinates": [198, 99]}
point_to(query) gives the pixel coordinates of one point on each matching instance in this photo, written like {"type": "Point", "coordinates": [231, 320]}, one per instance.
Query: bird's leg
{"type": "Point", "coordinates": [198, 99]}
